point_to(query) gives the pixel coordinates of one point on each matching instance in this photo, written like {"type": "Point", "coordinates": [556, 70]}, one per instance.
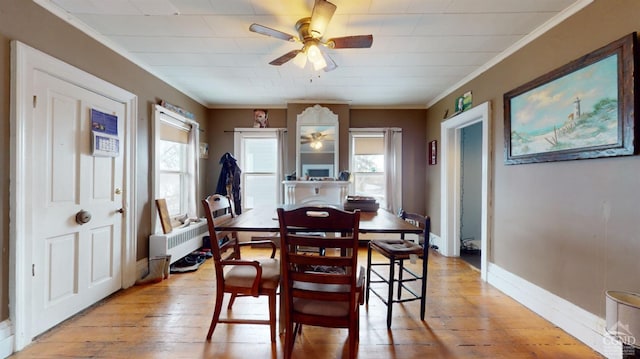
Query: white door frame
{"type": "Point", "coordinates": [451, 138]}
{"type": "Point", "coordinates": [24, 61]}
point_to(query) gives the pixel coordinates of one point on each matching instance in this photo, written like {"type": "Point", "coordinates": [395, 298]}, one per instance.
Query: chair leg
{"type": "Point", "coordinates": [368, 279]}
{"type": "Point", "coordinates": [289, 336]}
{"type": "Point", "coordinates": [216, 314]}
{"type": "Point", "coordinates": [353, 340]}
{"type": "Point", "coordinates": [390, 296]}
{"type": "Point", "coordinates": [272, 315]}
{"type": "Point", "coordinates": [423, 299]}
{"type": "Point", "coordinates": [400, 273]}
{"type": "Point", "coordinates": [232, 300]}
{"type": "Point", "coordinates": [357, 323]}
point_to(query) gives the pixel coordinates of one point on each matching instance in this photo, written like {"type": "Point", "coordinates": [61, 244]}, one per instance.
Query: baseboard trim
{"type": "Point", "coordinates": [583, 325]}
{"type": "Point", "coordinates": [6, 339]}
{"type": "Point", "coordinates": [436, 241]}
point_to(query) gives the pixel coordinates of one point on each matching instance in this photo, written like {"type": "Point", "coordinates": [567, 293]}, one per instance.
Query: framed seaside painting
{"type": "Point", "coordinates": [584, 109]}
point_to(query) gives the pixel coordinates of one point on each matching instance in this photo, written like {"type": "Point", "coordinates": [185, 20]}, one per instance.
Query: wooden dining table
{"type": "Point", "coordinates": [265, 219]}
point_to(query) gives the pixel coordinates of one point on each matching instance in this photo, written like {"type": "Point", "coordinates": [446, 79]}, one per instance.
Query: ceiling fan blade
{"type": "Point", "coordinates": [320, 17]}
{"type": "Point", "coordinates": [260, 29]}
{"type": "Point", "coordinates": [326, 133]}
{"type": "Point", "coordinates": [350, 42]}
{"type": "Point", "coordinates": [284, 58]}
{"type": "Point", "coordinates": [331, 65]}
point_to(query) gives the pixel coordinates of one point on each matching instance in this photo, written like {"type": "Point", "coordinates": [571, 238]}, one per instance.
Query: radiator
{"type": "Point", "coordinates": [178, 243]}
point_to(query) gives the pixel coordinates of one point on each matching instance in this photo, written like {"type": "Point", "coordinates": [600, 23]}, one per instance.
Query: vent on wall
{"type": "Point", "coordinates": [178, 243]}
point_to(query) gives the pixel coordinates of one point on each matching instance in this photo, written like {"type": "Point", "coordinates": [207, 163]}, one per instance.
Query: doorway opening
{"type": "Point", "coordinates": [451, 178]}
{"type": "Point", "coordinates": [471, 194]}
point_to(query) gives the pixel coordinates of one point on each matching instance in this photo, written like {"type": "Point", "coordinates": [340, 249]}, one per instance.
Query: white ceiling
{"type": "Point", "coordinates": [422, 49]}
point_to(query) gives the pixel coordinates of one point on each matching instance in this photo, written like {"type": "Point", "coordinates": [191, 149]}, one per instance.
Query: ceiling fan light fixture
{"type": "Point", "coordinates": [313, 52]}
{"type": "Point", "coordinates": [315, 56]}
{"type": "Point", "coordinates": [300, 60]}
{"type": "Point", "coordinates": [319, 65]}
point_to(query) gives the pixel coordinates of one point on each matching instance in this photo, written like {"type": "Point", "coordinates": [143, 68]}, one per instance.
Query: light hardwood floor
{"type": "Point", "coordinates": [466, 318]}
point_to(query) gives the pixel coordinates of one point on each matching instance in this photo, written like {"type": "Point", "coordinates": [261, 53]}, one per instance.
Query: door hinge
{"type": "Point", "coordinates": [35, 101]}
{"type": "Point", "coordinates": [33, 270]}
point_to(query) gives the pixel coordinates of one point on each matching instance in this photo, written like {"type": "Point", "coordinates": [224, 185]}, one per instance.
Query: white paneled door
{"type": "Point", "coordinates": [74, 265]}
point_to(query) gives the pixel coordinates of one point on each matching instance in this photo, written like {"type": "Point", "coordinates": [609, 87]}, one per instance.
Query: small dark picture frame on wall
{"type": "Point", "coordinates": [584, 109]}
{"type": "Point", "coordinates": [433, 152]}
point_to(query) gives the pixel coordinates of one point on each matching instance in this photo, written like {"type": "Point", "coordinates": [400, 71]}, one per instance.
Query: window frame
{"type": "Point", "coordinates": [395, 190]}
{"type": "Point", "coordinates": [158, 113]}
{"type": "Point", "coordinates": [364, 133]}
{"type": "Point", "coordinates": [240, 134]}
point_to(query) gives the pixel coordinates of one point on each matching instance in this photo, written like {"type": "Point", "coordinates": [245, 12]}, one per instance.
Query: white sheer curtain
{"type": "Point", "coordinates": [193, 170]}
{"type": "Point", "coordinates": [282, 152]}
{"type": "Point", "coordinates": [393, 168]}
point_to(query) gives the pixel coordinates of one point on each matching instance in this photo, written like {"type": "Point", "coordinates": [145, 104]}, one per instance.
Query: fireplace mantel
{"type": "Point", "coordinates": [315, 192]}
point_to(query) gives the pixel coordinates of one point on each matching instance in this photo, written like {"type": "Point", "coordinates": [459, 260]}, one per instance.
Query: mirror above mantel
{"type": "Point", "coordinates": [317, 134]}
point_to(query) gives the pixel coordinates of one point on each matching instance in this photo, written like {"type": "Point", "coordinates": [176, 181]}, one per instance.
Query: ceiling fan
{"type": "Point", "coordinates": [310, 31]}
{"type": "Point", "coordinates": [313, 136]}
{"type": "Point", "coordinates": [315, 139]}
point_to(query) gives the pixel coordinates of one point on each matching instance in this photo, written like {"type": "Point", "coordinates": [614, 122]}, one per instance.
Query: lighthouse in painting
{"type": "Point", "coordinates": [576, 110]}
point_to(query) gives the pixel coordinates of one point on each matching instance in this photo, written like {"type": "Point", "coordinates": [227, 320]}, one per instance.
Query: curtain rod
{"type": "Point", "coordinates": [240, 131]}
{"type": "Point", "coordinates": [374, 130]}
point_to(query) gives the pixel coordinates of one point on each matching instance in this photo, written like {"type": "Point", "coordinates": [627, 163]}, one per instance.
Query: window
{"type": "Point", "coordinates": [175, 163]}
{"type": "Point", "coordinates": [368, 166]}
{"type": "Point", "coordinates": [173, 176]}
{"type": "Point", "coordinates": [260, 160]}
{"type": "Point", "coordinates": [375, 163]}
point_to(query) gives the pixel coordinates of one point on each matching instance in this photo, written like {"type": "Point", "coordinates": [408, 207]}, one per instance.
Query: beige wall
{"type": "Point", "coordinates": [569, 227]}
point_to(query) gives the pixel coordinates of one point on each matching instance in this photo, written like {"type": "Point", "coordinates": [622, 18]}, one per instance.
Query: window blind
{"type": "Point", "coordinates": [174, 130]}
{"type": "Point", "coordinates": [368, 145]}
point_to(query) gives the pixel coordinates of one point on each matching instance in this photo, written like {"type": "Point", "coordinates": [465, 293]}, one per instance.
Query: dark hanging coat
{"type": "Point", "coordinates": [230, 175]}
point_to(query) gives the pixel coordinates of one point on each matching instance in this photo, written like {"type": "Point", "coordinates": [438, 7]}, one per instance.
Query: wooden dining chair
{"type": "Point", "coordinates": [320, 290]}
{"type": "Point", "coordinates": [396, 252]}
{"type": "Point", "coordinates": [234, 274]}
